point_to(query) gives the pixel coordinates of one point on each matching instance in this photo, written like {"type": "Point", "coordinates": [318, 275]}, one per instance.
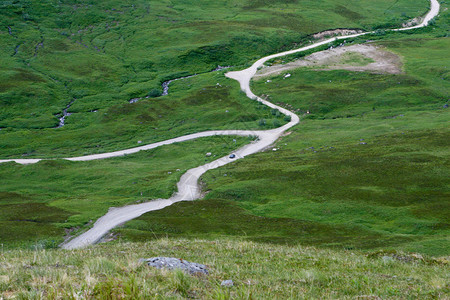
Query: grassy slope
{"type": "Point", "coordinates": [196, 104]}
{"type": "Point", "coordinates": [103, 54]}
{"type": "Point", "coordinates": [259, 271]}
{"type": "Point", "coordinates": [38, 201]}
{"type": "Point", "coordinates": [258, 188]}
{"type": "Point", "coordinates": [391, 192]}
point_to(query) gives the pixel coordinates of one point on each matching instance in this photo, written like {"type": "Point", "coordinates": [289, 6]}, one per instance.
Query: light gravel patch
{"type": "Point", "coordinates": [360, 58]}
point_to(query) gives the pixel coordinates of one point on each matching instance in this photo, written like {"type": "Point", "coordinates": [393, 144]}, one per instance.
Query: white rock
{"type": "Point", "coordinates": [227, 283]}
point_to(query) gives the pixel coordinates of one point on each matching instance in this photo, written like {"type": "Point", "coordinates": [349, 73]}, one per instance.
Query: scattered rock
{"type": "Point", "coordinates": [371, 297]}
{"type": "Point", "coordinates": [227, 283]}
{"type": "Point", "coordinates": [412, 22]}
{"type": "Point", "coordinates": [171, 263]}
{"type": "Point", "coordinates": [387, 258]}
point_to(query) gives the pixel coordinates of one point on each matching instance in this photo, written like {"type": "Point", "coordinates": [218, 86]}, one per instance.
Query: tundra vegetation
{"type": "Point", "coordinates": [332, 213]}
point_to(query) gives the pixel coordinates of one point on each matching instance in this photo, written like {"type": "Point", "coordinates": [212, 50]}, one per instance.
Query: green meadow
{"type": "Point", "coordinates": [206, 106]}
{"type": "Point", "coordinates": [352, 203]}
{"type": "Point", "coordinates": [39, 202]}
{"type": "Point", "coordinates": [101, 55]}
{"type": "Point", "coordinates": [365, 169]}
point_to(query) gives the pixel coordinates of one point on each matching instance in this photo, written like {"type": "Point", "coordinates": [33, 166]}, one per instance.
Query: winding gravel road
{"type": "Point", "coordinates": [188, 188]}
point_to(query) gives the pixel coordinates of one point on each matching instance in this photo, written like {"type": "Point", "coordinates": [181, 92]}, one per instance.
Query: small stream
{"type": "Point", "coordinates": [16, 50]}
{"type": "Point", "coordinates": [165, 84]}
{"type": "Point", "coordinates": [65, 114]}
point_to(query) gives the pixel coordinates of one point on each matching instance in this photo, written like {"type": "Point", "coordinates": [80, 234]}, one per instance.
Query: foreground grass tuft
{"type": "Point", "coordinates": [259, 271]}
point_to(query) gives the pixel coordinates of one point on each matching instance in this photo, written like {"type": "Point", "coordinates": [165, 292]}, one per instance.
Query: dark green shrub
{"type": "Point", "coordinates": [154, 93]}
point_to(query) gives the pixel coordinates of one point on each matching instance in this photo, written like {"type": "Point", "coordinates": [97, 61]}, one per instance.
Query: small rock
{"type": "Point", "coordinates": [139, 142]}
{"type": "Point", "coordinates": [274, 149]}
{"type": "Point", "coordinates": [445, 105]}
{"type": "Point", "coordinates": [387, 259]}
{"type": "Point", "coordinates": [363, 143]}
{"type": "Point", "coordinates": [287, 75]}
{"type": "Point", "coordinates": [169, 173]}
{"type": "Point", "coordinates": [208, 154]}
{"type": "Point", "coordinates": [171, 263]}
{"type": "Point", "coordinates": [227, 283]}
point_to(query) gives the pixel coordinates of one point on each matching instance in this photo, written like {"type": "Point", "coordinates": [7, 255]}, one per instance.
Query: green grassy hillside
{"type": "Point", "coordinates": [99, 55]}
{"type": "Point", "coordinates": [366, 169]}
{"type": "Point", "coordinates": [39, 202]}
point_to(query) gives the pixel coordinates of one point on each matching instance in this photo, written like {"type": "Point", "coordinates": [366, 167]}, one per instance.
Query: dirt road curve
{"type": "Point", "coordinates": [188, 188]}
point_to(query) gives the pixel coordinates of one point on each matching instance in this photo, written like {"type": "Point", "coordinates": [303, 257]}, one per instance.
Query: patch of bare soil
{"type": "Point", "coordinates": [412, 22]}
{"type": "Point", "coordinates": [336, 32]}
{"type": "Point", "coordinates": [362, 58]}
